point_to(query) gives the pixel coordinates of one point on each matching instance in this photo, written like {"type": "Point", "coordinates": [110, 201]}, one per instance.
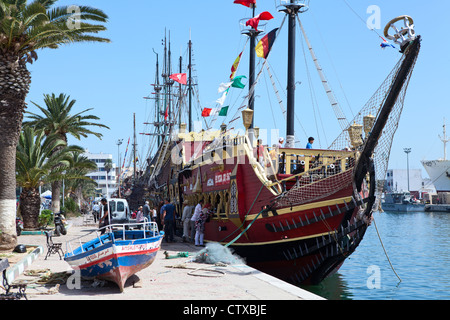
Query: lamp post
{"type": "Point", "coordinates": [119, 142]}
{"type": "Point", "coordinates": [407, 151]}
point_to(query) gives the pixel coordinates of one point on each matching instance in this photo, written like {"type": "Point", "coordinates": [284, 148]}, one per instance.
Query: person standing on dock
{"type": "Point", "coordinates": [195, 216]}
{"type": "Point", "coordinates": [104, 220]}
{"type": "Point", "coordinates": [186, 220]}
{"type": "Point", "coordinates": [146, 211]}
{"type": "Point", "coordinates": [168, 220]}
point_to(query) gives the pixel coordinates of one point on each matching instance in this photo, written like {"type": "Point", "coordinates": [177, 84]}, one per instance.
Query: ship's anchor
{"type": "Point", "coordinates": [405, 34]}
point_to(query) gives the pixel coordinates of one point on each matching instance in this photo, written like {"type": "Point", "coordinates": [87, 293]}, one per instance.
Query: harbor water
{"type": "Point", "coordinates": [417, 245]}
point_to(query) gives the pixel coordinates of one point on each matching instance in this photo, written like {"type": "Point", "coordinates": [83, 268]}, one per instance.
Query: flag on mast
{"type": "Point", "coordinates": [255, 21]}
{"type": "Point", "coordinates": [247, 3]}
{"type": "Point", "coordinates": [179, 77]}
{"type": "Point", "coordinates": [265, 44]}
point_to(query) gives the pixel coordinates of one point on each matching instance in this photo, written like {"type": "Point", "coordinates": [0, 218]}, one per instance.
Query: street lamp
{"type": "Point", "coordinates": [119, 142]}
{"type": "Point", "coordinates": [407, 151]}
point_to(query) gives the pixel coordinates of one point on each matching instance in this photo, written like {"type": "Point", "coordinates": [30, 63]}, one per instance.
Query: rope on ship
{"type": "Point", "coordinates": [251, 223]}
{"type": "Point", "coordinates": [384, 249]}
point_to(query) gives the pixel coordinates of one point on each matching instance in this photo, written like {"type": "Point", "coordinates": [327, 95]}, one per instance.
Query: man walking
{"type": "Point", "coordinates": [168, 220]}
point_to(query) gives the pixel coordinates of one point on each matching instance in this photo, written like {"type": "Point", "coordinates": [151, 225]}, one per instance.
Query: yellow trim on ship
{"type": "Point", "coordinates": [305, 207]}
{"type": "Point", "coordinates": [282, 240]}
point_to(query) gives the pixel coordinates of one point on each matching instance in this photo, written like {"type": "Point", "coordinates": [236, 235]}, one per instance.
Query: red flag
{"type": "Point", "coordinates": [206, 112]}
{"type": "Point", "coordinates": [247, 3]}
{"type": "Point", "coordinates": [166, 115]}
{"type": "Point", "coordinates": [179, 77]}
{"type": "Point", "coordinates": [255, 21]}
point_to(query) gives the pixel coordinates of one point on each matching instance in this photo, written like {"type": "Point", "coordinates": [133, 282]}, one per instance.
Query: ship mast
{"type": "Point", "coordinates": [292, 9]}
{"type": "Point", "coordinates": [190, 82]}
{"type": "Point", "coordinates": [444, 139]}
{"type": "Point", "coordinates": [252, 34]}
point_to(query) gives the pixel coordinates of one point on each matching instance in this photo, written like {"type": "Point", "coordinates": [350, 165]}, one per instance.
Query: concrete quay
{"type": "Point", "coordinates": [165, 279]}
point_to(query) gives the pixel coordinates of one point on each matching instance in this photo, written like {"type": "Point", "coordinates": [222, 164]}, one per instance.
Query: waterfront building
{"type": "Point", "coordinates": [99, 175]}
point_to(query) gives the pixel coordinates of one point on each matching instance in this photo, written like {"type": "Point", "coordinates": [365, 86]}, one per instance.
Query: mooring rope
{"type": "Point", "coordinates": [379, 237]}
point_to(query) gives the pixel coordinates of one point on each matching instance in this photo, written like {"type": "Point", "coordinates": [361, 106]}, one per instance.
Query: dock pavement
{"type": "Point", "coordinates": [166, 279]}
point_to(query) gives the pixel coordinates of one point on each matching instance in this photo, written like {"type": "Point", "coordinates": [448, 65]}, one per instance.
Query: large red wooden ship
{"type": "Point", "coordinates": [293, 213]}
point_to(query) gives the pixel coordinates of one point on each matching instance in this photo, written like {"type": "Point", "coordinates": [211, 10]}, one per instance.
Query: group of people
{"type": "Point", "coordinates": [144, 212]}
{"type": "Point", "coordinates": [194, 219]}
{"type": "Point", "coordinates": [308, 145]}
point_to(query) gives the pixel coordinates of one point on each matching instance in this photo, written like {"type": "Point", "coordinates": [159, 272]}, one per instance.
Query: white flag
{"type": "Point", "coordinates": [221, 100]}
{"type": "Point", "coordinates": [224, 86]}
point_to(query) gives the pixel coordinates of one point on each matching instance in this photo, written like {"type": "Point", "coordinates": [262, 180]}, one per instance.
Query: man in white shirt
{"type": "Point", "coordinates": [195, 216]}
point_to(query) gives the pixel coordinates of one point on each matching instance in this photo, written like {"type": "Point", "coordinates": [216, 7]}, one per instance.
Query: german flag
{"type": "Point", "coordinates": [265, 44]}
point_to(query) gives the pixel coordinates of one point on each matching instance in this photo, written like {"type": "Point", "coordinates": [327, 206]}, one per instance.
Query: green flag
{"type": "Point", "coordinates": [237, 82]}
{"type": "Point", "coordinates": [223, 112]}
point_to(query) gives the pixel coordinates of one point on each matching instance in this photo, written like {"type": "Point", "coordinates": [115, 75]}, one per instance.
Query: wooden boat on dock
{"type": "Point", "coordinates": [117, 254]}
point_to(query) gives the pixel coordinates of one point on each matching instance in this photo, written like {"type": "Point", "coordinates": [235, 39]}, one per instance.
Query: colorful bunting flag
{"type": "Point", "coordinates": [235, 65]}
{"type": "Point", "coordinates": [206, 112]}
{"type": "Point", "coordinates": [224, 86]}
{"type": "Point", "coordinates": [255, 21]}
{"type": "Point", "coordinates": [179, 77]}
{"type": "Point", "coordinates": [247, 3]}
{"type": "Point", "coordinates": [221, 100]}
{"type": "Point", "coordinates": [263, 47]}
{"type": "Point", "coordinates": [222, 112]}
{"type": "Point", "coordinates": [385, 44]}
{"type": "Point", "coordinates": [237, 82]}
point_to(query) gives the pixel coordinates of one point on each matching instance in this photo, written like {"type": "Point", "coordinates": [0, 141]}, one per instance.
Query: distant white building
{"type": "Point", "coordinates": [99, 176]}
{"type": "Point", "coordinates": [397, 181]}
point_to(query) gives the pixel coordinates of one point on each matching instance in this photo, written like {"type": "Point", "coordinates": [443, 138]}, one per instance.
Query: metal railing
{"type": "Point", "coordinates": [111, 231]}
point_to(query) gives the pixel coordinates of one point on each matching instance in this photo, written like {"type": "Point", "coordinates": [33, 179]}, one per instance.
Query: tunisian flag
{"type": "Point", "coordinates": [247, 3]}
{"type": "Point", "coordinates": [179, 77]}
{"type": "Point", "coordinates": [255, 21]}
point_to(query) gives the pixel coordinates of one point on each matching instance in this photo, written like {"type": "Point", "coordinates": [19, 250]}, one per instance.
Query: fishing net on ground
{"type": "Point", "coordinates": [216, 253]}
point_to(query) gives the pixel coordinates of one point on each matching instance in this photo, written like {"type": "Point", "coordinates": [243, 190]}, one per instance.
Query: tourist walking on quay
{"type": "Point", "coordinates": [140, 215]}
{"type": "Point", "coordinates": [186, 220]}
{"type": "Point", "coordinates": [195, 216]}
{"type": "Point", "coordinates": [200, 225]}
{"type": "Point", "coordinates": [146, 211]}
{"type": "Point", "coordinates": [105, 219]}
{"type": "Point", "coordinates": [168, 219]}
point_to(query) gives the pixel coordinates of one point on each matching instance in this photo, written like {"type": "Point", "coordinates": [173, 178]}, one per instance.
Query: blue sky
{"type": "Point", "coordinates": [113, 78]}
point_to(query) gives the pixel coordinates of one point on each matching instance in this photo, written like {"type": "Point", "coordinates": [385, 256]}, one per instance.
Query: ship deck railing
{"type": "Point", "coordinates": [294, 163]}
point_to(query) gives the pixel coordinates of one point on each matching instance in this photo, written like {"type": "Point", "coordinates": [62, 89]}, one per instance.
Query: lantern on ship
{"type": "Point", "coordinates": [355, 133]}
{"type": "Point", "coordinates": [247, 118]}
{"type": "Point", "coordinates": [369, 121]}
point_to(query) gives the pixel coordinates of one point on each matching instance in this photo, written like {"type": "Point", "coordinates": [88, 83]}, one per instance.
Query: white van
{"type": "Point", "coordinates": [120, 212]}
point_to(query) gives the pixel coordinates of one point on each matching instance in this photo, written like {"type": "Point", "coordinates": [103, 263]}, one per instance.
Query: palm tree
{"type": "Point", "coordinates": [57, 119]}
{"type": "Point", "coordinates": [26, 27]}
{"type": "Point", "coordinates": [35, 160]}
{"type": "Point", "coordinates": [108, 166]}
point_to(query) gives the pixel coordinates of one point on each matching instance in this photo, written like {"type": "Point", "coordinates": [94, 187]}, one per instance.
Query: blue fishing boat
{"type": "Point", "coordinates": [117, 254]}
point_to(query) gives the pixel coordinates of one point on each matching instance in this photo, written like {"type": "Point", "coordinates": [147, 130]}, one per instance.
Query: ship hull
{"type": "Point", "coordinates": [439, 172]}
{"type": "Point", "coordinates": [300, 244]}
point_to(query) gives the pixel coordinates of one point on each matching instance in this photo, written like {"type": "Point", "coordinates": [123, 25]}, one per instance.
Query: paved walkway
{"type": "Point", "coordinates": [165, 279]}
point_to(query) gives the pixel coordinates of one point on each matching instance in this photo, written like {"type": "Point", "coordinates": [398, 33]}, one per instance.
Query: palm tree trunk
{"type": "Point", "coordinates": [56, 196]}
{"type": "Point", "coordinates": [14, 85]}
{"type": "Point", "coordinates": [30, 202]}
